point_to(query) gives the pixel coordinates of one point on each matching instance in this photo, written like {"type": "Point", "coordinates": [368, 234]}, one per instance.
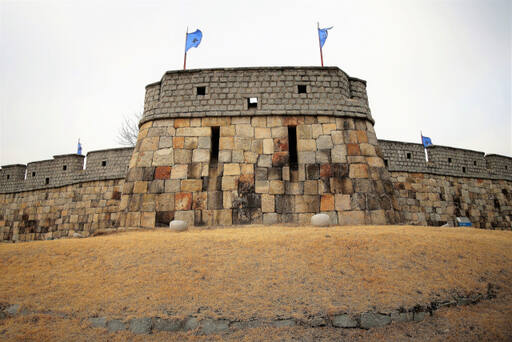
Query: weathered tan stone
{"type": "Point", "coordinates": [306, 145]}
{"type": "Point", "coordinates": [358, 171]}
{"type": "Point", "coordinates": [247, 169]}
{"type": "Point", "coordinates": [327, 128]}
{"type": "Point", "coordinates": [261, 133]}
{"type": "Point", "coordinates": [375, 162]}
{"type": "Point", "coordinates": [304, 132]}
{"type": "Point", "coordinates": [362, 137]}
{"type": "Point", "coordinates": [229, 183]}
{"type": "Point", "coordinates": [267, 203]}
{"type": "Point", "coordinates": [163, 157]}
{"type": "Point", "coordinates": [193, 132]}
{"type": "Point", "coordinates": [346, 218]}
{"type": "Point", "coordinates": [279, 132]}
{"type": "Point", "coordinates": [227, 131]}
{"type": "Point", "coordinates": [342, 202]}
{"type": "Point", "coordinates": [367, 149]}
{"type": "Point", "coordinates": [311, 187]}
{"type": "Point", "coordinates": [201, 155]}
{"type": "Point", "coordinates": [179, 171]}
{"type": "Point", "coordinates": [262, 187]}
{"type": "Point", "coordinates": [191, 185]}
{"type": "Point", "coordinates": [246, 131]}
{"type": "Point", "coordinates": [259, 121]}
{"type": "Point", "coordinates": [276, 187]}
{"type": "Point", "coordinates": [231, 169]}
{"type": "Point", "coordinates": [140, 187]}
{"type": "Point", "coordinates": [268, 146]}
{"type": "Point", "coordinates": [148, 220]}
{"type": "Point", "coordinates": [182, 156]}
{"type": "Point", "coordinates": [191, 143]}
{"type": "Point", "coordinates": [181, 123]}
{"type": "Point", "coordinates": [199, 200]}
{"type": "Point", "coordinates": [216, 121]}
{"type": "Point", "coordinates": [149, 144]}
{"type": "Point", "coordinates": [226, 143]}
{"type": "Point", "coordinates": [178, 142]}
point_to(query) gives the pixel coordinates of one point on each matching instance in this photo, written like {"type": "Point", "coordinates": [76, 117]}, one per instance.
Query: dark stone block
{"type": "Point", "coordinates": [198, 218]}
{"type": "Point", "coordinates": [285, 204]}
{"type": "Point", "coordinates": [246, 184]}
{"type": "Point", "coordinates": [280, 159]}
{"type": "Point", "coordinates": [261, 173]}
{"type": "Point", "coordinates": [148, 173]}
{"type": "Point", "coordinates": [362, 185]}
{"type": "Point", "coordinates": [312, 172]}
{"type": "Point", "coordinates": [135, 202]}
{"type": "Point", "coordinates": [275, 173]}
{"type": "Point", "coordinates": [253, 200]}
{"type": "Point", "coordinates": [326, 170]}
{"type": "Point", "coordinates": [358, 201]}
{"type": "Point", "coordinates": [157, 186]}
{"type": "Point", "coordinates": [281, 144]}
{"type": "Point", "coordinates": [215, 200]}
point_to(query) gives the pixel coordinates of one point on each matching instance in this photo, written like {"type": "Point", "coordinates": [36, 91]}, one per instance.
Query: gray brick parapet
{"type": "Point", "coordinates": [444, 160]}
{"type": "Point", "coordinates": [328, 91]}
{"type": "Point", "coordinates": [65, 170]}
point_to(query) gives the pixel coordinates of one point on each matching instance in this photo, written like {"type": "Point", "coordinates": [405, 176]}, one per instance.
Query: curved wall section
{"type": "Point", "coordinates": [279, 91]}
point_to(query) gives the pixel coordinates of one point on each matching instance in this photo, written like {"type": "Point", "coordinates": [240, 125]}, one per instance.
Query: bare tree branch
{"type": "Point", "coordinates": [129, 130]}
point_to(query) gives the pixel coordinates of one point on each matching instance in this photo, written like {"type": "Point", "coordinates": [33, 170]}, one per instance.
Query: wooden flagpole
{"type": "Point", "coordinates": [185, 61]}
{"type": "Point", "coordinates": [319, 43]}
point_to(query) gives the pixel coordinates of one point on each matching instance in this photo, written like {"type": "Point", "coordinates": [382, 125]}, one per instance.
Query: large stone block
{"type": "Point", "coordinates": [346, 218]}
{"type": "Point", "coordinates": [191, 185]}
{"type": "Point", "coordinates": [306, 145]}
{"type": "Point", "coordinates": [267, 203]}
{"type": "Point", "coordinates": [179, 171]}
{"type": "Point", "coordinates": [244, 130]}
{"type": "Point", "coordinates": [193, 132]}
{"type": "Point", "coordinates": [183, 201]}
{"type": "Point", "coordinates": [201, 155]}
{"type": "Point", "coordinates": [327, 202]}
{"type": "Point", "coordinates": [163, 172]}
{"type": "Point", "coordinates": [358, 171]}
{"type": "Point", "coordinates": [324, 142]}
{"type": "Point", "coordinates": [182, 156]}
{"type": "Point", "coordinates": [276, 187]}
{"type": "Point", "coordinates": [231, 169]}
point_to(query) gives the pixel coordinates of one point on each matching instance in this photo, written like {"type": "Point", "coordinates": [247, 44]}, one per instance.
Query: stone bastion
{"type": "Point", "coordinates": [257, 145]}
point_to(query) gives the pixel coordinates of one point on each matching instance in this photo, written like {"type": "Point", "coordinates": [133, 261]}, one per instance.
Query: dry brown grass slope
{"type": "Point", "coordinates": [263, 272]}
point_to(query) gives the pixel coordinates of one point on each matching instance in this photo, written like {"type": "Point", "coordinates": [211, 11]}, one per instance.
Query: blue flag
{"type": "Point", "coordinates": [322, 34]}
{"type": "Point", "coordinates": [426, 141]}
{"type": "Point", "coordinates": [193, 39]}
{"type": "Point", "coordinates": [79, 151]}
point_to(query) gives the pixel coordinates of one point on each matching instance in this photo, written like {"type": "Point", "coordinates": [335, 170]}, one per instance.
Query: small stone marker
{"type": "Point", "coordinates": [320, 220]}
{"type": "Point", "coordinates": [178, 225]}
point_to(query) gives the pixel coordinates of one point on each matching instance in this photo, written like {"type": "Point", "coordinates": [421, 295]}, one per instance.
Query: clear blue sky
{"type": "Point", "coordinates": [71, 69]}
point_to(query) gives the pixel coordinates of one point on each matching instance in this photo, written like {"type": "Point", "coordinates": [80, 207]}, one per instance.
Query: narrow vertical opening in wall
{"type": "Point", "coordinates": [64, 167]}
{"type": "Point", "coordinates": [474, 162]}
{"type": "Point", "coordinates": [449, 160]}
{"type": "Point", "coordinates": [8, 176]}
{"type": "Point", "coordinates": [104, 163]}
{"type": "Point", "coordinates": [302, 89]}
{"type": "Point", "coordinates": [409, 155]}
{"type": "Point", "coordinates": [33, 174]}
{"type": "Point", "coordinates": [292, 147]}
{"type": "Point", "coordinates": [47, 181]}
{"type": "Point", "coordinates": [385, 162]}
{"type": "Point", "coordinates": [463, 169]}
{"type": "Point", "coordinates": [214, 152]}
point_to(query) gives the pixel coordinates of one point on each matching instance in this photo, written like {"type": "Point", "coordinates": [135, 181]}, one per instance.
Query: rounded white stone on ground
{"type": "Point", "coordinates": [320, 220]}
{"type": "Point", "coordinates": [178, 225]}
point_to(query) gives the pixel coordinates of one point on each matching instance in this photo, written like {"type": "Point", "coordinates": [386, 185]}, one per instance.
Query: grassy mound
{"type": "Point", "coordinates": [256, 272]}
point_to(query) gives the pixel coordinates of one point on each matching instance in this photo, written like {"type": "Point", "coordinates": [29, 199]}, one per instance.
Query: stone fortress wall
{"type": "Point", "coordinates": [210, 155]}
{"type": "Point", "coordinates": [60, 197]}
